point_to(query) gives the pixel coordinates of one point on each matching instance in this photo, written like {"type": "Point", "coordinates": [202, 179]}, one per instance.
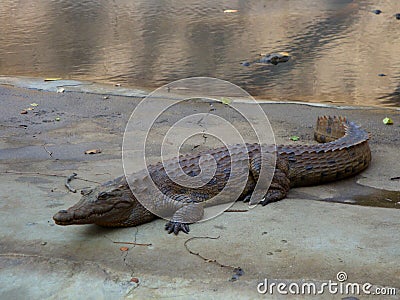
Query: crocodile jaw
{"type": "Point", "coordinates": [101, 215]}
{"type": "Point", "coordinates": [108, 205]}
{"type": "Point", "coordinates": [104, 214]}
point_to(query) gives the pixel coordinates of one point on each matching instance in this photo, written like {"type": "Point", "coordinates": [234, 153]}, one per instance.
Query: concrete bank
{"type": "Point", "coordinates": [299, 239]}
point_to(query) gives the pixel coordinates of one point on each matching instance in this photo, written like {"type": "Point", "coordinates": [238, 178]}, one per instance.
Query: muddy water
{"type": "Point", "coordinates": [338, 48]}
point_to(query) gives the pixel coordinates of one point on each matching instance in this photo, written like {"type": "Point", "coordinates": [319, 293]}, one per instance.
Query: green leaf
{"type": "Point", "coordinates": [387, 121]}
{"type": "Point", "coordinates": [226, 101]}
{"type": "Point", "coordinates": [57, 119]}
{"type": "Point", "coordinates": [294, 138]}
{"type": "Point", "coordinates": [34, 104]}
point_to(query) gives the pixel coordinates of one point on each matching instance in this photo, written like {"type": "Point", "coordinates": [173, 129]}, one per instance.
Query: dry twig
{"type": "Point", "coordinates": [49, 152]}
{"type": "Point", "coordinates": [236, 210]}
{"type": "Point", "coordinates": [236, 270]}
{"type": "Point", "coordinates": [44, 174]}
{"type": "Point", "coordinates": [69, 179]}
{"type": "Point", "coordinates": [133, 243]}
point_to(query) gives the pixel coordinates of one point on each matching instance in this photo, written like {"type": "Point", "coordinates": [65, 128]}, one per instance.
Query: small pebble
{"type": "Point", "coordinates": [135, 279]}
{"type": "Point", "coordinates": [43, 243]}
{"type": "Point", "coordinates": [381, 75]}
{"type": "Point", "coordinates": [377, 11]}
{"type": "Point", "coordinates": [23, 112]}
{"type": "Point", "coordinates": [246, 64]}
{"type": "Point", "coordinates": [234, 278]}
{"type": "Point", "coordinates": [397, 16]}
{"type": "Point", "coordinates": [238, 272]}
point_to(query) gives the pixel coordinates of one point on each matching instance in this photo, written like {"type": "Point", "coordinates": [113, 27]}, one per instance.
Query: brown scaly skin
{"type": "Point", "coordinates": [344, 152]}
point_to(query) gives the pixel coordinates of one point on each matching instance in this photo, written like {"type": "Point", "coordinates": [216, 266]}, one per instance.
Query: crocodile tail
{"type": "Point", "coordinates": [344, 152]}
{"type": "Point", "coordinates": [329, 128]}
{"type": "Point", "coordinates": [338, 133]}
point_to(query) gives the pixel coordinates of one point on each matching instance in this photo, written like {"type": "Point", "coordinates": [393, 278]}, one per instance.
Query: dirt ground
{"type": "Point", "coordinates": [308, 237]}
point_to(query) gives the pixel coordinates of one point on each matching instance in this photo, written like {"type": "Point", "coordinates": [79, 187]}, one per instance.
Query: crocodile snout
{"type": "Point", "coordinates": [63, 217]}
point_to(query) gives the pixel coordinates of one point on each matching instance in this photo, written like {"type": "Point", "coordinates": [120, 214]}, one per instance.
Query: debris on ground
{"type": "Point", "coordinates": [93, 151]}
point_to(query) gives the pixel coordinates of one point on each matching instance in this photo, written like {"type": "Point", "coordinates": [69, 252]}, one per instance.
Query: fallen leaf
{"type": "Point", "coordinates": [124, 248]}
{"type": "Point", "coordinates": [226, 101]}
{"type": "Point", "coordinates": [30, 108]}
{"type": "Point", "coordinates": [23, 112]}
{"type": "Point", "coordinates": [34, 104]}
{"type": "Point", "coordinates": [52, 79]}
{"type": "Point", "coordinates": [294, 138]}
{"type": "Point", "coordinates": [93, 151]}
{"type": "Point", "coordinates": [387, 121]}
{"type": "Point", "coordinates": [60, 90]}
{"type": "Point", "coordinates": [228, 11]}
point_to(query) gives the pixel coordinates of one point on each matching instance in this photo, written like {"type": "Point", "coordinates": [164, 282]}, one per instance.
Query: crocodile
{"type": "Point", "coordinates": [342, 151]}
{"type": "Point", "coordinates": [273, 58]}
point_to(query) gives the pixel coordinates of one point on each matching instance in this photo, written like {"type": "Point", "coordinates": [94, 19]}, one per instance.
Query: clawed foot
{"type": "Point", "coordinates": [175, 227]}
{"type": "Point", "coordinates": [273, 196]}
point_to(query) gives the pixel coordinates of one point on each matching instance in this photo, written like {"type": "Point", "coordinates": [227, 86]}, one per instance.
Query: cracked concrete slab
{"type": "Point", "coordinates": [305, 237]}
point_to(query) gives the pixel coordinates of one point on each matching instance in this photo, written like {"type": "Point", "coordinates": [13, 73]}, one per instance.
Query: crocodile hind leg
{"type": "Point", "coordinates": [280, 184]}
{"type": "Point", "coordinates": [278, 170]}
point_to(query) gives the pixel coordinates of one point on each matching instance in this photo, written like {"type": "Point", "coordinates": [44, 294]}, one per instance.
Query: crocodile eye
{"type": "Point", "coordinates": [102, 195]}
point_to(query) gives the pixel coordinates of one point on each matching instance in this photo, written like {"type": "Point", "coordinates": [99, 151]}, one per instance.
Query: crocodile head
{"type": "Point", "coordinates": [111, 204]}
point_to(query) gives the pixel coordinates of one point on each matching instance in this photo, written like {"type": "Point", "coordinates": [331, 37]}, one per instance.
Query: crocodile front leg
{"type": "Point", "coordinates": [189, 213]}
{"type": "Point", "coordinates": [181, 211]}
